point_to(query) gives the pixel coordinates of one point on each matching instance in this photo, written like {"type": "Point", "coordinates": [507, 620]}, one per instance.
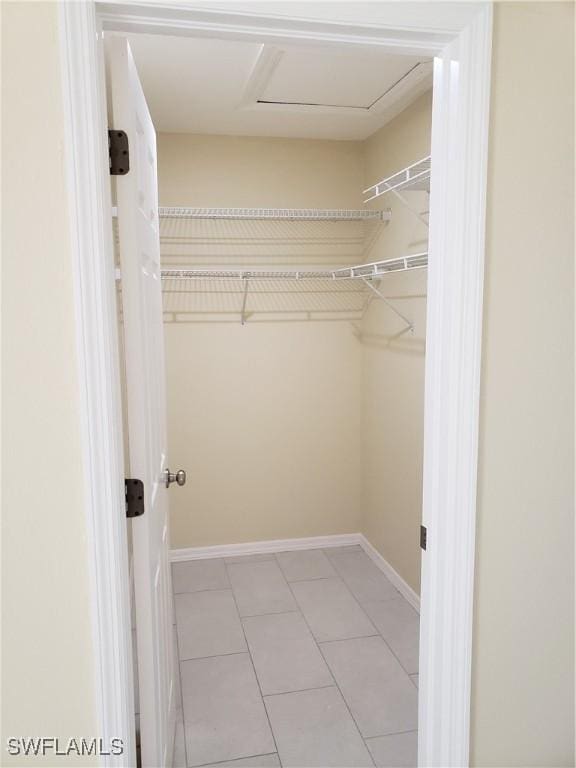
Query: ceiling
{"type": "Point", "coordinates": [199, 85]}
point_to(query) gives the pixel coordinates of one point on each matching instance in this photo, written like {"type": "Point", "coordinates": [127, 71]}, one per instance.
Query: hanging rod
{"type": "Point", "coordinates": [415, 177]}
{"type": "Point", "coordinates": [280, 214]}
{"type": "Point", "coordinates": [362, 271]}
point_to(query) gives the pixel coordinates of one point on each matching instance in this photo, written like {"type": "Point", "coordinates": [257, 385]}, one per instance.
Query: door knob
{"type": "Point", "coordinates": [174, 477]}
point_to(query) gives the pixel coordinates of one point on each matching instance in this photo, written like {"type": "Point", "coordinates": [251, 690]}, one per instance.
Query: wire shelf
{"type": "Point", "coordinates": [415, 177]}
{"type": "Point", "coordinates": [276, 214]}
{"type": "Point", "coordinates": [206, 295]}
{"type": "Point", "coordinates": [266, 242]}
{"type": "Point", "coordinates": [362, 271]}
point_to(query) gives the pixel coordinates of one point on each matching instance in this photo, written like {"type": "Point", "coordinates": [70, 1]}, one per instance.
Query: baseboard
{"type": "Point", "coordinates": [312, 542]}
{"type": "Point", "coordinates": [403, 587]}
{"type": "Point", "coordinates": [261, 547]}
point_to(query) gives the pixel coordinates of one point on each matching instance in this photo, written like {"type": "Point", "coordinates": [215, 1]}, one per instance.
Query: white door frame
{"type": "Point", "coordinates": [462, 45]}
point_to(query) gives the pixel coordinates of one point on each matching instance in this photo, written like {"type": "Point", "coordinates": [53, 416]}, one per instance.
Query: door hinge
{"type": "Point", "coordinates": [134, 492]}
{"type": "Point", "coordinates": [423, 537]}
{"type": "Point", "coordinates": [118, 152]}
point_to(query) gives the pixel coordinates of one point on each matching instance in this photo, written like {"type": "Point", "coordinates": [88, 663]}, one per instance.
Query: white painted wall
{"type": "Point", "coordinates": [393, 359]}
{"type": "Point", "coordinates": [47, 657]}
{"type": "Point", "coordinates": [523, 646]}
{"type": "Point", "coordinates": [264, 417]}
{"type": "Point", "coordinates": [522, 707]}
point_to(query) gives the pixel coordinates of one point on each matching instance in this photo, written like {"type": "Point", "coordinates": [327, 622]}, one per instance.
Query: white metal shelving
{"type": "Point", "coordinates": [413, 178]}
{"type": "Point", "coordinates": [344, 290]}
{"type": "Point", "coordinates": [362, 271]}
{"type": "Point", "coordinates": [274, 214]}
{"type": "Point", "coordinates": [280, 236]}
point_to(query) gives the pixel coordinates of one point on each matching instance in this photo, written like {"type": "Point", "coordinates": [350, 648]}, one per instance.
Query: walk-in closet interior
{"type": "Point", "coordinates": [293, 215]}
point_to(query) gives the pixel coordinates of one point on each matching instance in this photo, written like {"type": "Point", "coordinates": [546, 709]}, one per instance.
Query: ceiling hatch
{"type": "Point", "coordinates": [332, 79]}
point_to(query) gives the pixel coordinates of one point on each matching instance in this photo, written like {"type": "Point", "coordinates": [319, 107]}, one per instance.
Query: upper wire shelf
{"type": "Point", "coordinates": [275, 214]}
{"type": "Point", "coordinates": [414, 177]}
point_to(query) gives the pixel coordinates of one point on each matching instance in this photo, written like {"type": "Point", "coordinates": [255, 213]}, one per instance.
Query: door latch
{"type": "Point", "coordinates": [174, 477]}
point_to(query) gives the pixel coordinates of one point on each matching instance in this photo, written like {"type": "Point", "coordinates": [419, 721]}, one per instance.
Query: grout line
{"type": "Point", "coordinates": [300, 690]}
{"type": "Point", "coordinates": [270, 613]}
{"type": "Point", "coordinates": [310, 578]}
{"type": "Point", "coordinates": [335, 681]}
{"type": "Point", "coordinates": [215, 656]}
{"type": "Point", "coordinates": [346, 639]}
{"type": "Point", "coordinates": [255, 674]}
{"type": "Point", "coordinates": [246, 757]}
{"type": "Point", "coordinates": [200, 591]}
{"type": "Point", "coordinates": [376, 628]}
{"type": "Point", "coordinates": [179, 672]}
{"type": "Point", "coordinates": [283, 613]}
{"type": "Point", "coordinates": [393, 733]}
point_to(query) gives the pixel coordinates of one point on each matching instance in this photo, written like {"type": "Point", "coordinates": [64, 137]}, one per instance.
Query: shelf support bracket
{"type": "Point", "coordinates": [409, 325]}
{"type": "Point", "coordinates": [412, 210]}
{"type": "Point", "coordinates": [244, 299]}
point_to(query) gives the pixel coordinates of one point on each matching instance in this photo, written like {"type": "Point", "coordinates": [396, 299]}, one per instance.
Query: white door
{"type": "Point", "coordinates": [137, 203]}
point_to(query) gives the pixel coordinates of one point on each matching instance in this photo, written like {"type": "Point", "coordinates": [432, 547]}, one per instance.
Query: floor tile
{"type": "Point", "coordinates": [314, 729]}
{"type": "Point", "coordinates": [179, 760]}
{"type": "Point", "coordinates": [285, 654]}
{"type": "Point", "coordinates": [364, 579]}
{"type": "Point", "coordinates": [415, 680]}
{"type": "Point", "coordinates": [381, 696]}
{"type": "Point", "coordinates": [259, 557]}
{"type": "Point", "coordinates": [135, 666]}
{"type": "Point", "coordinates": [305, 564]}
{"type": "Point", "coordinates": [258, 761]}
{"type": "Point", "coordinates": [260, 588]}
{"type": "Point", "coordinates": [196, 575]}
{"type": "Point", "coordinates": [176, 661]}
{"type": "Point", "coordinates": [399, 750]}
{"type": "Point", "coordinates": [224, 716]}
{"type": "Point", "coordinates": [339, 550]}
{"type": "Point", "coordinates": [399, 625]}
{"type": "Point", "coordinates": [330, 610]}
{"type": "Point", "coordinates": [208, 624]}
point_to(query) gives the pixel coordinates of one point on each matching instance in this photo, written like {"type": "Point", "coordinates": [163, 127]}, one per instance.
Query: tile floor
{"type": "Point", "coordinates": [303, 659]}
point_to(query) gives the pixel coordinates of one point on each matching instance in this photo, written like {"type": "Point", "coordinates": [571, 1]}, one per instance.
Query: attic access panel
{"type": "Point", "coordinates": [332, 78]}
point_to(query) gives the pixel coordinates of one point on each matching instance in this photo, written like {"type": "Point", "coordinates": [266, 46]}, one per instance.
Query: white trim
{"type": "Point", "coordinates": [292, 545]}
{"type": "Point", "coordinates": [460, 123]}
{"type": "Point", "coordinates": [263, 547]}
{"type": "Point", "coordinates": [93, 263]}
{"type": "Point", "coordinates": [402, 586]}
{"type": "Point", "coordinates": [184, 19]}
{"type": "Point", "coordinates": [452, 385]}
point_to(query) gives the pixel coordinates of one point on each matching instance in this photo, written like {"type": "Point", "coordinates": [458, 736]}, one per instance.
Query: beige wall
{"type": "Point", "coordinates": [523, 681]}
{"type": "Point", "coordinates": [393, 359]}
{"type": "Point", "coordinates": [265, 417]}
{"type": "Point", "coordinates": [243, 171]}
{"type": "Point", "coordinates": [368, 460]}
{"type": "Point", "coordinates": [523, 665]}
{"type": "Point", "coordinates": [47, 664]}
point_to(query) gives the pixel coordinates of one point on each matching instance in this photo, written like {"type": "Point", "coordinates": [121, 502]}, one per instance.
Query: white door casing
{"type": "Point", "coordinates": [137, 203]}
{"type": "Point", "coordinates": [421, 28]}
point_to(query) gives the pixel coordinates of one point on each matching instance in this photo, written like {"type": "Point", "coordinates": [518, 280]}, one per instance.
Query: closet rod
{"type": "Point", "coordinates": [279, 214]}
